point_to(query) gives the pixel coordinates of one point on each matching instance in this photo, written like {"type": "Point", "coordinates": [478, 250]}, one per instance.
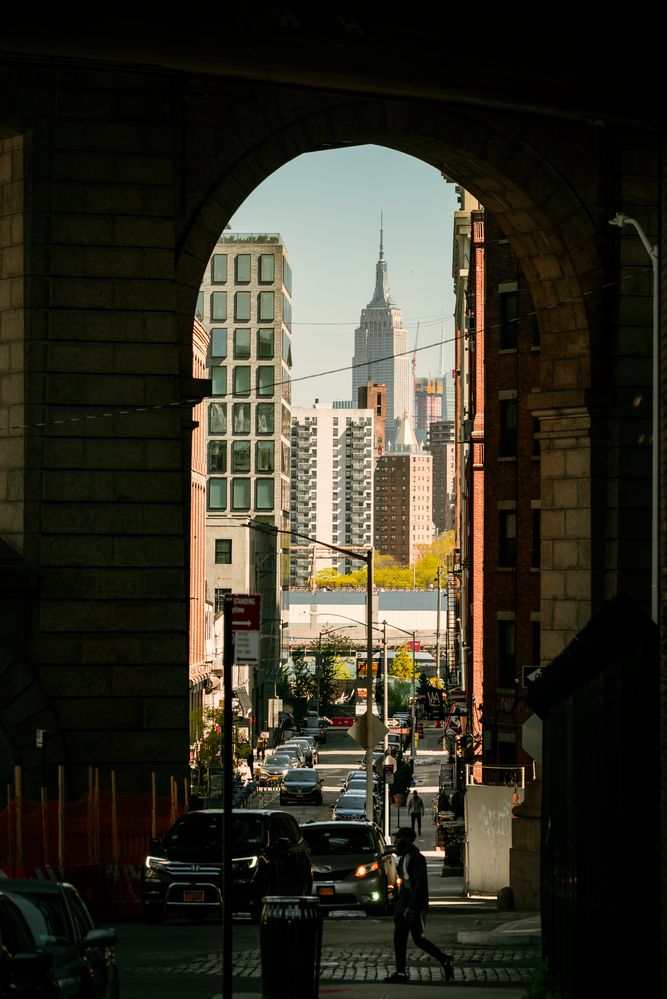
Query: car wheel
{"type": "Point", "coordinates": [153, 914]}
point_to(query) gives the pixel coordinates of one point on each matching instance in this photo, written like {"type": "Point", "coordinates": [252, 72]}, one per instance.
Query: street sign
{"type": "Point", "coordinates": [365, 733]}
{"type": "Point", "coordinates": [245, 626]}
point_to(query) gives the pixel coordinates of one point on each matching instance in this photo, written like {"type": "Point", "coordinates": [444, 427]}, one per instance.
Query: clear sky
{"type": "Point", "coordinates": [327, 208]}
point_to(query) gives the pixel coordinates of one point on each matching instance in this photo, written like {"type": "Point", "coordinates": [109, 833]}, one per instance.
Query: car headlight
{"type": "Point", "coordinates": [364, 869]}
{"type": "Point", "coordinates": [244, 865]}
{"type": "Point", "coordinates": [155, 865]}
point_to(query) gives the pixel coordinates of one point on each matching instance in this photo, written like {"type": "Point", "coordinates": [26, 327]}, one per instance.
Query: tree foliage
{"type": "Point", "coordinates": [402, 665]}
{"type": "Point", "coordinates": [389, 575]}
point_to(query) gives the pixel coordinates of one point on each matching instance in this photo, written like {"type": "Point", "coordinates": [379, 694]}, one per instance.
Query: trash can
{"type": "Point", "coordinates": [290, 939]}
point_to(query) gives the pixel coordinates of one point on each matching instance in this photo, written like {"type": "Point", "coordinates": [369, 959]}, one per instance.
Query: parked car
{"type": "Point", "coordinates": [359, 776]}
{"type": "Point", "coordinates": [292, 748]}
{"type": "Point", "coordinates": [25, 970]}
{"type": "Point", "coordinates": [83, 955]}
{"type": "Point", "coordinates": [182, 873]}
{"type": "Point", "coordinates": [315, 727]}
{"type": "Point", "coordinates": [309, 747]}
{"type": "Point", "coordinates": [273, 768]}
{"type": "Point", "coordinates": [301, 785]}
{"type": "Point", "coordinates": [351, 807]}
{"type": "Point", "coordinates": [353, 867]}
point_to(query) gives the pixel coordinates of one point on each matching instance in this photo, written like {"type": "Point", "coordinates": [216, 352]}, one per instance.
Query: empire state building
{"type": "Point", "coordinates": [381, 349]}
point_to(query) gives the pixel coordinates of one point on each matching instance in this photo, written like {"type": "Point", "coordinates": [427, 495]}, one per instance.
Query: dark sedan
{"type": "Point", "coordinates": [302, 786]}
{"type": "Point", "coordinates": [25, 969]}
{"type": "Point", "coordinates": [83, 956]}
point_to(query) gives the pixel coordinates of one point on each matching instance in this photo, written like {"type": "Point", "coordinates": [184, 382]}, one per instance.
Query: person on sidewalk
{"type": "Point", "coordinates": [411, 908]}
{"type": "Point", "coordinates": [416, 810]}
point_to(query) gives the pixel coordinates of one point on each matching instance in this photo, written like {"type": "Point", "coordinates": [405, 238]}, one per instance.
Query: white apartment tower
{"type": "Point", "coordinates": [381, 349]}
{"type": "Point", "coordinates": [245, 304]}
{"type": "Point", "coordinates": [332, 486]}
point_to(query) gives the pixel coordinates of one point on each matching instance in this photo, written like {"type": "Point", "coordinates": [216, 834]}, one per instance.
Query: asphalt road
{"type": "Point", "coordinates": [180, 959]}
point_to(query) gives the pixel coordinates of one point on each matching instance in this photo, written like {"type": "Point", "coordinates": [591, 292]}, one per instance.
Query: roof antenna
{"type": "Point", "coordinates": [381, 239]}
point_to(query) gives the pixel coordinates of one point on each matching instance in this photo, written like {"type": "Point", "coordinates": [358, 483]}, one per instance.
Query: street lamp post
{"type": "Point", "coordinates": [366, 557]}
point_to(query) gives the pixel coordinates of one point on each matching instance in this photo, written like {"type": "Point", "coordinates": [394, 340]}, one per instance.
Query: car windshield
{"type": "Point", "coordinates": [329, 842]}
{"type": "Point", "coordinates": [353, 801]}
{"type": "Point", "coordinates": [301, 776]}
{"type": "Point", "coordinates": [198, 836]}
{"type": "Point", "coordinates": [281, 761]}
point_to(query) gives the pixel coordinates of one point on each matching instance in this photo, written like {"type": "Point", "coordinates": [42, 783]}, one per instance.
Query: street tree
{"type": "Point", "coordinates": [402, 665]}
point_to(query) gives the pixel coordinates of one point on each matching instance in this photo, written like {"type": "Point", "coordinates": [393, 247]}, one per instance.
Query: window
{"type": "Point", "coordinates": [535, 637]}
{"type": "Point", "coordinates": [223, 551]}
{"type": "Point", "coordinates": [266, 268]}
{"type": "Point", "coordinates": [241, 380]}
{"type": "Point", "coordinates": [265, 380]}
{"type": "Point", "coordinates": [217, 418]}
{"type": "Point", "coordinates": [265, 345]}
{"type": "Point", "coordinates": [219, 268]}
{"type": "Point", "coordinates": [242, 344]}
{"type": "Point", "coordinates": [218, 342]}
{"type": "Point", "coordinates": [242, 307]}
{"type": "Point", "coordinates": [507, 539]}
{"type": "Point", "coordinates": [218, 306]}
{"type": "Point", "coordinates": [220, 599]}
{"type": "Point", "coordinates": [509, 309]}
{"type": "Point", "coordinates": [241, 419]}
{"type": "Point", "coordinates": [287, 276]}
{"type": "Point", "coordinates": [508, 420]}
{"type": "Point", "coordinates": [263, 494]}
{"type": "Point", "coordinates": [506, 653]}
{"type": "Point", "coordinates": [265, 418]}
{"type": "Point", "coordinates": [217, 494]}
{"type": "Point", "coordinates": [265, 312]}
{"type": "Point", "coordinates": [242, 268]}
{"type": "Point", "coordinates": [240, 456]}
{"type": "Point", "coordinates": [264, 457]}
{"type": "Point", "coordinates": [219, 379]}
{"type": "Point", "coordinates": [287, 312]}
{"type": "Point", "coordinates": [199, 307]}
{"type": "Point", "coordinates": [287, 349]}
{"type": "Point", "coordinates": [536, 546]}
{"type": "Point", "coordinates": [217, 457]}
{"type": "Point", "coordinates": [240, 494]}
{"type": "Point", "coordinates": [534, 331]}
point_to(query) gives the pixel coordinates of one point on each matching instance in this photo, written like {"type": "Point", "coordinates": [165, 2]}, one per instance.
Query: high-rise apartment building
{"type": "Point", "coordinates": [403, 497]}
{"type": "Point", "coordinates": [380, 349]}
{"type": "Point", "coordinates": [332, 486]}
{"type": "Point", "coordinates": [245, 304]}
{"type": "Point", "coordinates": [374, 397]}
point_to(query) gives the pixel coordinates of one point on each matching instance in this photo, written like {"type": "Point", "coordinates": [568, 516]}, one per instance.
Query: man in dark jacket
{"type": "Point", "coordinates": [411, 908]}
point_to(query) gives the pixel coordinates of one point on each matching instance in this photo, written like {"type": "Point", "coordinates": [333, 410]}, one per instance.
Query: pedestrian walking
{"type": "Point", "coordinates": [251, 764]}
{"type": "Point", "coordinates": [416, 810]}
{"type": "Point", "coordinates": [411, 908]}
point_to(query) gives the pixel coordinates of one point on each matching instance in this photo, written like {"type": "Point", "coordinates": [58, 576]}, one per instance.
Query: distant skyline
{"type": "Point", "coordinates": [327, 208]}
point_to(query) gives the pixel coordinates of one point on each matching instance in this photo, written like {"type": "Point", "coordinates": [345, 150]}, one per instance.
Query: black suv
{"type": "Point", "coordinates": [183, 872]}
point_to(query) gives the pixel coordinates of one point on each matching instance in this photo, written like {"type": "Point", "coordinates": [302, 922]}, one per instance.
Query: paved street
{"type": "Point", "coordinates": [179, 956]}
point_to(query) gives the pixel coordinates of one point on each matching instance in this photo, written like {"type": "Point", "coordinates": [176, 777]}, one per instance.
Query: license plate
{"type": "Point", "coordinates": [326, 890]}
{"type": "Point", "coordinates": [193, 896]}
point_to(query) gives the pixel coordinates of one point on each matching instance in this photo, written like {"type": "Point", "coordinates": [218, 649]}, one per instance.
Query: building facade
{"type": "Point", "coordinates": [428, 405]}
{"type": "Point", "coordinates": [441, 447]}
{"type": "Point", "coordinates": [403, 498]}
{"type": "Point", "coordinates": [332, 487]}
{"type": "Point", "coordinates": [380, 349]}
{"type": "Point", "coordinates": [245, 304]}
{"type": "Point", "coordinates": [371, 396]}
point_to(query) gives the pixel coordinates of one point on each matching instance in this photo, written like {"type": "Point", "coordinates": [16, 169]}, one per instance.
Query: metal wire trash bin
{"type": "Point", "coordinates": [290, 939]}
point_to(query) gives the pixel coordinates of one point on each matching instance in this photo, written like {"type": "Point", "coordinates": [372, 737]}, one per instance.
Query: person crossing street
{"type": "Point", "coordinates": [411, 909]}
{"type": "Point", "coordinates": [416, 810]}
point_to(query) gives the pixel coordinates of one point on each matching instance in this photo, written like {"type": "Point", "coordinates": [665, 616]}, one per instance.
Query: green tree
{"type": "Point", "coordinates": [398, 695]}
{"type": "Point", "coordinates": [332, 651]}
{"type": "Point", "coordinates": [402, 665]}
{"type": "Point", "coordinates": [302, 682]}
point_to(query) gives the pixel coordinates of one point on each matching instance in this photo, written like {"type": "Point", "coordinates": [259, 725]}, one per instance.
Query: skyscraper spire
{"type": "Point", "coordinates": [381, 297]}
{"type": "Point", "coordinates": [381, 238]}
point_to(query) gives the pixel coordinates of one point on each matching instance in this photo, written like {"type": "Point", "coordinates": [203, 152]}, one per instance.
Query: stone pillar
{"type": "Point", "coordinates": [525, 849]}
